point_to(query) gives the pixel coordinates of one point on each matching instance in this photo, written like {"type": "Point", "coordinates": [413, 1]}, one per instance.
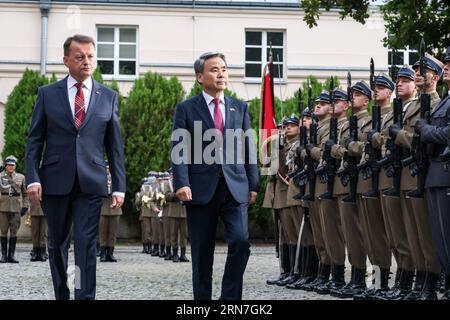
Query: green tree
{"type": "Point", "coordinates": [197, 88]}
{"type": "Point", "coordinates": [146, 121]}
{"type": "Point", "coordinates": [18, 110]}
{"type": "Point", "coordinates": [406, 21]}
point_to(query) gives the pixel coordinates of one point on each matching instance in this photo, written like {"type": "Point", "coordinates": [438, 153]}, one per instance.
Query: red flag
{"type": "Point", "coordinates": [267, 124]}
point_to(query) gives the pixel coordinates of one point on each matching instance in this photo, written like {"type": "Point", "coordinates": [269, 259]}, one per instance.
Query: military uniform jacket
{"type": "Point", "coordinates": [357, 147]}
{"type": "Point", "coordinates": [405, 136]}
{"type": "Point", "coordinates": [269, 193]}
{"type": "Point", "coordinates": [323, 134]}
{"type": "Point", "coordinates": [107, 210]}
{"type": "Point", "coordinates": [343, 133]}
{"type": "Point", "coordinates": [281, 184]}
{"type": "Point", "coordinates": [13, 192]}
{"type": "Point", "coordinates": [174, 208]}
{"type": "Point", "coordinates": [292, 188]}
{"type": "Point", "coordinates": [146, 200]}
{"type": "Point", "coordinates": [437, 133]}
{"type": "Point", "coordinates": [379, 142]}
{"type": "Point", "coordinates": [36, 211]}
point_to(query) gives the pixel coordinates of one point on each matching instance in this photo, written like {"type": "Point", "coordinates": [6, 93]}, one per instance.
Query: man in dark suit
{"type": "Point", "coordinates": [74, 122]}
{"type": "Point", "coordinates": [218, 178]}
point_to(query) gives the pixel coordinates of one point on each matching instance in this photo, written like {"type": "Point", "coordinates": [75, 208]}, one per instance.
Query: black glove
{"type": "Point", "coordinates": [309, 147]}
{"type": "Point", "coordinates": [23, 211]}
{"type": "Point", "coordinates": [328, 145]}
{"type": "Point", "coordinates": [420, 123]}
{"type": "Point", "coordinates": [370, 135]}
{"type": "Point", "coordinates": [394, 130]}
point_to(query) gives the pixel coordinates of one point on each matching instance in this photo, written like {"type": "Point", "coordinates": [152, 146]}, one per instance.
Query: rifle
{"type": "Point", "coordinates": [349, 172]}
{"type": "Point", "coordinates": [392, 162]}
{"type": "Point", "coordinates": [369, 168]}
{"type": "Point", "coordinates": [417, 162]}
{"type": "Point", "coordinates": [309, 165]}
{"type": "Point", "coordinates": [327, 172]}
{"type": "Point", "coordinates": [298, 160]}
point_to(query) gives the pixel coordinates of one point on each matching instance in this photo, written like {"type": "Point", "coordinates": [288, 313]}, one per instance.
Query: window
{"type": "Point", "coordinates": [404, 56]}
{"type": "Point", "coordinates": [117, 52]}
{"type": "Point", "coordinates": [257, 48]}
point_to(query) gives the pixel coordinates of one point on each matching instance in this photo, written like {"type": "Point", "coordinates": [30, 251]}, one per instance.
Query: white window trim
{"type": "Point", "coordinates": [264, 48]}
{"type": "Point", "coordinates": [406, 51]}
{"type": "Point", "coordinates": [116, 76]}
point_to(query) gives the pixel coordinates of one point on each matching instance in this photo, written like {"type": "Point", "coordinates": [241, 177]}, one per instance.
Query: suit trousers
{"type": "Point", "coordinates": [439, 218]}
{"type": "Point", "coordinates": [202, 225]}
{"type": "Point", "coordinates": [39, 231]}
{"type": "Point", "coordinates": [84, 211]}
{"type": "Point", "coordinates": [351, 227]}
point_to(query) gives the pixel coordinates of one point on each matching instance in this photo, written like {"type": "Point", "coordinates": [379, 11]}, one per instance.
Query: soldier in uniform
{"type": "Point", "coordinates": [328, 207]}
{"type": "Point", "coordinates": [289, 218]}
{"type": "Point", "coordinates": [13, 205]}
{"type": "Point", "coordinates": [109, 221]}
{"type": "Point", "coordinates": [322, 111]}
{"type": "Point", "coordinates": [38, 234]}
{"type": "Point", "coordinates": [145, 235]}
{"type": "Point", "coordinates": [437, 181]}
{"type": "Point", "coordinates": [348, 211]}
{"type": "Point", "coordinates": [415, 212]}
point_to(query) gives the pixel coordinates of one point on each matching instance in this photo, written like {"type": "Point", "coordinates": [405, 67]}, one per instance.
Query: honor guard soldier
{"type": "Point", "coordinates": [435, 133]}
{"type": "Point", "coordinates": [13, 205]}
{"type": "Point", "coordinates": [109, 221]}
{"type": "Point", "coordinates": [38, 234]}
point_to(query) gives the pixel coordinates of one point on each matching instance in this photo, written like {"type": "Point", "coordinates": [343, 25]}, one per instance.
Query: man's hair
{"type": "Point", "coordinates": [77, 38]}
{"type": "Point", "coordinates": [199, 64]}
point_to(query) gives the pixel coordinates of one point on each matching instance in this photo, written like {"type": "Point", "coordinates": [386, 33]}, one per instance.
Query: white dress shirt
{"type": "Point", "coordinates": [209, 102]}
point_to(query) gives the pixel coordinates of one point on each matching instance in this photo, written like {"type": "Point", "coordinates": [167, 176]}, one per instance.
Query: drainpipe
{"type": "Point", "coordinates": [44, 5]}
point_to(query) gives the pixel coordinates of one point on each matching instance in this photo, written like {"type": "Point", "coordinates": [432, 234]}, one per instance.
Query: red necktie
{"type": "Point", "coordinates": [218, 120]}
{"type": "Point", "coordinates": [79, 105]}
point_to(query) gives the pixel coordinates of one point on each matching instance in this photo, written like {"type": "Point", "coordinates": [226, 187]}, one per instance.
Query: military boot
{"type": "Point", "coordinates": [44, 253]}
{"type": "Point", "coordinates": [293, 276]}
{"type": "Point", "coordinates": [183, 257]}
{"type": "Point", "coordinates": [302, 260]}
{"type": "Point", "coordinates": [418, 286]}
{"type": "Point", "coordinates": [4, 244]}
{"type": "Point", "coordinates": [323, 277]}
{"type": "Point", "coordinates": [162, 254]}
{"type": "Point", "coordinates": [12, 250]}
{"type": "Point", "coordinates": [149, 248]}
{"type": "Point", "coordinates": [446, 295]}
{"type": "Point", "coordinates": [394, 287]}
{"type": "Point", "coordinates": [430, 287]}
{"type": "Point", "coordinates": [35, 254]}
{"type": "Point", "coordinates": [355, 287]}
{"type": "Point", "coordinates": [144, 247]}
{"type": "Point", "coordinates": [97, 248]}
{"type": "Point", "coordinates": [441, 283]}
{"type": "Point", "coordinates": [380, 285]}
{"type": "Point", "coordinates": [168, 255]}
{"type": "Point", "coordinates": [175, 257]}
{"type": "Point", "coordinates": [103, 254]}
{"type": "Point", "coordinates": [284, 265]}
{"type": "Point", "coordinates": [155, 251]}
{"type": "Point", "coordinates": [337, 280]}
{"type": "Point", "coordinates": [110, 254]}
{"type": "Point", "coordinates": [404, 287]}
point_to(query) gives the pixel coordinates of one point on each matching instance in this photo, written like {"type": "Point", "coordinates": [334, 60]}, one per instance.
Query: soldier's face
{"type": "Point", "coordinates": [291, 130]}
{"type": "Point", "coordinates": [10, 168]}
{"type": "Point", "coordinates": [322, 109]}
{"type": "Point", "coordinates": [340, 106]}
{"type": "Point", "coordinates": [429, 80]}
{"type": "Point", "coordinates": [406, 88]}
{"type": "Point", "coordinates": [81, 60]}
{"type": "Point", "coordinates": [307, 122]}
{"type": "Point", "coordinates": [360, 100]}
{"type": "Point", "coordinates": [382, 93]}
{"type": "Point", "coordinates": [214, 78]}
{"type": "Point", "coordinates": [446, 76]}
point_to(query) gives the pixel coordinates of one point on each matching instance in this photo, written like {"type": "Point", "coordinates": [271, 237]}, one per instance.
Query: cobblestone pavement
{"type": "Point", "coordinates": [140, 276]}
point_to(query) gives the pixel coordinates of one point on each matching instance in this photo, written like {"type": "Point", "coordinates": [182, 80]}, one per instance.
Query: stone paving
{"type": "Point", "coordinates": [140, 276]}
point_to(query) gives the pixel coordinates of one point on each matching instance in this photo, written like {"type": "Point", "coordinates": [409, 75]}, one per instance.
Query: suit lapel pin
{"type": "Point", "coordinates": [232, 109]}
{"type": "Point", "coordinates": [97, 92]}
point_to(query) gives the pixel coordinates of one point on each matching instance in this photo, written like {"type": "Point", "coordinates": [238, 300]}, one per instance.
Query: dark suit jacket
{"type": "Point", "coordinates": [68, 151]}
{"type": "Point", "coordinates": [240, 174]}
{"type": "Point", "coordinates": [437, 133]}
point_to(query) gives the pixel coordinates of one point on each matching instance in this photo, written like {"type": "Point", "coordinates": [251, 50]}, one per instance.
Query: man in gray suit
{"type": "Point", "coordinates": [223, 187]}
{"type": "Point", "coordinates": [76, 120]}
